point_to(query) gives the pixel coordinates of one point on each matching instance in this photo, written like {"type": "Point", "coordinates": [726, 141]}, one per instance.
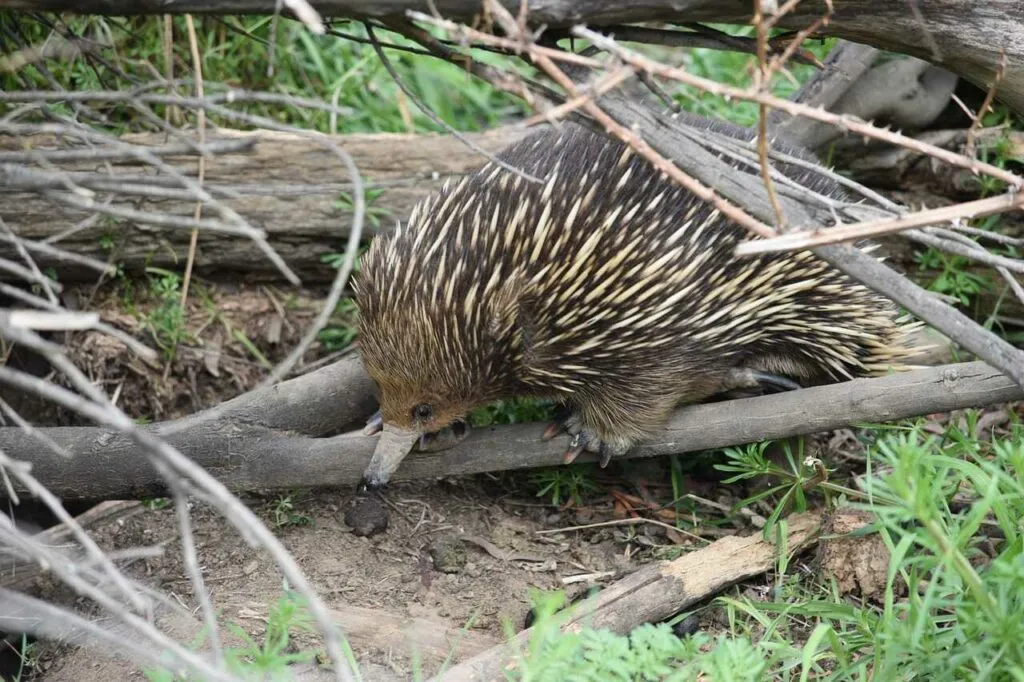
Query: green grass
{"type": "Point", "coordinates": [235, 53]}
{"type": "Point", "coordinates": [270, 658]}
{"type": "Point", "coordinates": [963, 619]}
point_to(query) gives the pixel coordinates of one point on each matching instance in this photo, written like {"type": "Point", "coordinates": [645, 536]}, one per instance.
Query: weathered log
{"type": "Point", "coordinates": [285, 184]}
{"type": "Point", "coordinates": [965, 36]}
{"type": "Point", "coordinates": [655, 592]}
{"type": "Point", "coordinates": [250, 445]}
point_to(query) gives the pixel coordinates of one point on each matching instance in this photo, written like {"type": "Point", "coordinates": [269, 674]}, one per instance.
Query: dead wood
{"type": "Point", "coordinates": [655, 592]}
{"type": "Point", "coordinates": [367, 629]}
{"type": "Point", "coordinates": [432, 639]}
{"type": "Point", "coordinates": [265, 440]}
{"type": "Point", "coordinates": [888, 167]}
{"type": "Point", "coordinates": [284, 184]}
{"type": "Point", "coordinates": [965, 36]}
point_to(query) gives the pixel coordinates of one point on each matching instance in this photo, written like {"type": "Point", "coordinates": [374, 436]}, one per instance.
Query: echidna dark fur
{"type": "Point", "coordinates": [608, 288]}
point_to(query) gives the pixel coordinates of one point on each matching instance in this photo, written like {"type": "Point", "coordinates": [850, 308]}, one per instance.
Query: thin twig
{"type": "Point", "coordinates": [197, 67]}
{"type": "Point", "coordinates": [45, 283]}
{"type": "Point", "coordinates": [844, 233]}
{"type": "Point", "coordinates": [793, 108]}
{"type": "Point", "coordinates": [762, 83]}
{"type": "Point", "coordinates": [986, 105]}
{"type": "Point", "coordinates": [625, 522]}
{"type": "Point", "coordinates": [191, 560]}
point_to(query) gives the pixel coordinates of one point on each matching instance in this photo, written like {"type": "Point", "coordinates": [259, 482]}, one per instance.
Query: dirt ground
{"type": "Point", "coordinates": [459, 559]}
{"type": "Point", "coordinates": [458, 553]}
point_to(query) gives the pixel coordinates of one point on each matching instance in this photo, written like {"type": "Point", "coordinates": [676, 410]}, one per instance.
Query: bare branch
{"type": "Point", "coordinates": [805, 239]}
{"type": "Point", "coordinates": [276, 458]}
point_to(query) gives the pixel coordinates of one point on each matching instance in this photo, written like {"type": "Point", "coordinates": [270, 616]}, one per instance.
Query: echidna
{"type": "Point", "coordinates": [607, 288]}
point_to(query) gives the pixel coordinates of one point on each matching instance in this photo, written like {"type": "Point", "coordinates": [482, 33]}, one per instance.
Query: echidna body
{"type": "Point", "coordinates": [607, 288]}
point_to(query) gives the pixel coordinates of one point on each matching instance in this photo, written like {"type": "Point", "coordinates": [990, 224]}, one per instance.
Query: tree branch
{"type": "Point", "coordinates": [245, 453]}
{"type": "Point", "coordinates": [969, 33]}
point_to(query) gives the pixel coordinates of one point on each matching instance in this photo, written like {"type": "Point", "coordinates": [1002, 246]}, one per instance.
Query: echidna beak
{"type": "Point", "coordinates": [374, 424]}
{"type": "Point", "coordinates": [392, 447]}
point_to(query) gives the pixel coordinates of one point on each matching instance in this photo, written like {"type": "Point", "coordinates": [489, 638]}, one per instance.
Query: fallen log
{"type": "Point", "coordinates": [246, 452]}
{"type": "Point", "coordinates": [654, 592]}
{"type": "Point", "coordinates": [284, 184]}
{"type": "Point", "coordinates": [964, 36]}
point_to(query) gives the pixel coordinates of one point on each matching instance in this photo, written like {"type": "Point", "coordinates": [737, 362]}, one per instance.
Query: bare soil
{"type": "Point", "coordinates": [457, 553]}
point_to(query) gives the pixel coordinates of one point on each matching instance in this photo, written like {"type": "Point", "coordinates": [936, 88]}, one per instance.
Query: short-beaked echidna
{"type": "Point", "coordinates": [607, 288]}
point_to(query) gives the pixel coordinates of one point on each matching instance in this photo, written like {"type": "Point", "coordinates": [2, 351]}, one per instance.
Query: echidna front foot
{"type": "Point", "coordinates": [583, 438]}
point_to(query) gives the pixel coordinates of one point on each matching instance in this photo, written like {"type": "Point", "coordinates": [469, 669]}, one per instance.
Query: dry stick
{"type": "Point", "coordinates": [257, 236]}
{"type": "Point", "coordinates": [157, 219]}
{"type": "Point", "coordinates": [73, 578]}
{"type": "Point", "coordinates": [652, 593]}
{"type": "Point", "coordinates": [232, 96]}
{"type": "Point", "coordinates": [972, 249]}
{"type": "Point", "coordinates": [59, 254]}
{"type": "Point", "coordinates": [53, 503]}
{"type": "Point", "coordinates": [195, 574]}
{"type": "Point", "coordinates": [511, 83]}
{"type": "Point", "coordinates": [37, 275]}
{"type": "Point", "coordinates": [197, 67]}
{"type": "Point", "coordinates": [169, 462]}
{"type": "Point", "coordinates": [27, 275]}
{"type": "Point", "coordinates": [850, 123]}
{"type": "Point", "coordinates": [133, 344]}
{"type": "Point", "coordinates": [127, 153]}
{"type": "Point", "coordinates": [276, 458]}
{"type": "Point", "coordinates": [763, 82]}
{"type": "Point", "coordinates": [990, 96]}
{"type": "Point", "coordinates": [974, 252]}
{"type": "Point", "coordinates": [806, 239]}
{"type": "Point", "coordinates": [22, 613]}
{"type": "Point", "coordinates": [433, 116]}
{"type": "Point", "coordinates": [607, 83]}
{"type": "Point", "coordinates": [778, 62]}
{"type": "Point", "coordinates": [168, 45]}
{"type": "Point", "coordinates": [20, 422]}
{"type": "Point", "coordinates": [699, 37]}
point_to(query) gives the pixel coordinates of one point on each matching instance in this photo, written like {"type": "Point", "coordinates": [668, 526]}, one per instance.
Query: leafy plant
{"type": "Point", "coordinates": [565, 482]}
{"type": "Point", "coordinates": [285, 514]}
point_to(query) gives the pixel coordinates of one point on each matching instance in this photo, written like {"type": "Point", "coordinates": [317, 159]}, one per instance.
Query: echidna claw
{"type": "Point", "coordinates": [577, 445]}
{"type": "Point", "coordinates": [552, 430]}
{"type": "Point", "coordinates": [374, 424]}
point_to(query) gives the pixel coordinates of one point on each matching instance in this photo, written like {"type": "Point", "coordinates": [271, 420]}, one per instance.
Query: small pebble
{"type": "Point", "coordinates": [368, 517]}
{"type": "Point", "coordinates": [448, 553]}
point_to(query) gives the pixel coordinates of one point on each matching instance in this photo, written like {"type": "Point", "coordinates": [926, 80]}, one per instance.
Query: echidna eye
{"type": "Point", "coordinates": [423, 412]}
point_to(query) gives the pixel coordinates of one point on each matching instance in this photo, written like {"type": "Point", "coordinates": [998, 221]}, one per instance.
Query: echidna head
{"type": "Point", "coordinates": [410, 413]}
{"type": "Point", "coordinates": [433, 357]}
